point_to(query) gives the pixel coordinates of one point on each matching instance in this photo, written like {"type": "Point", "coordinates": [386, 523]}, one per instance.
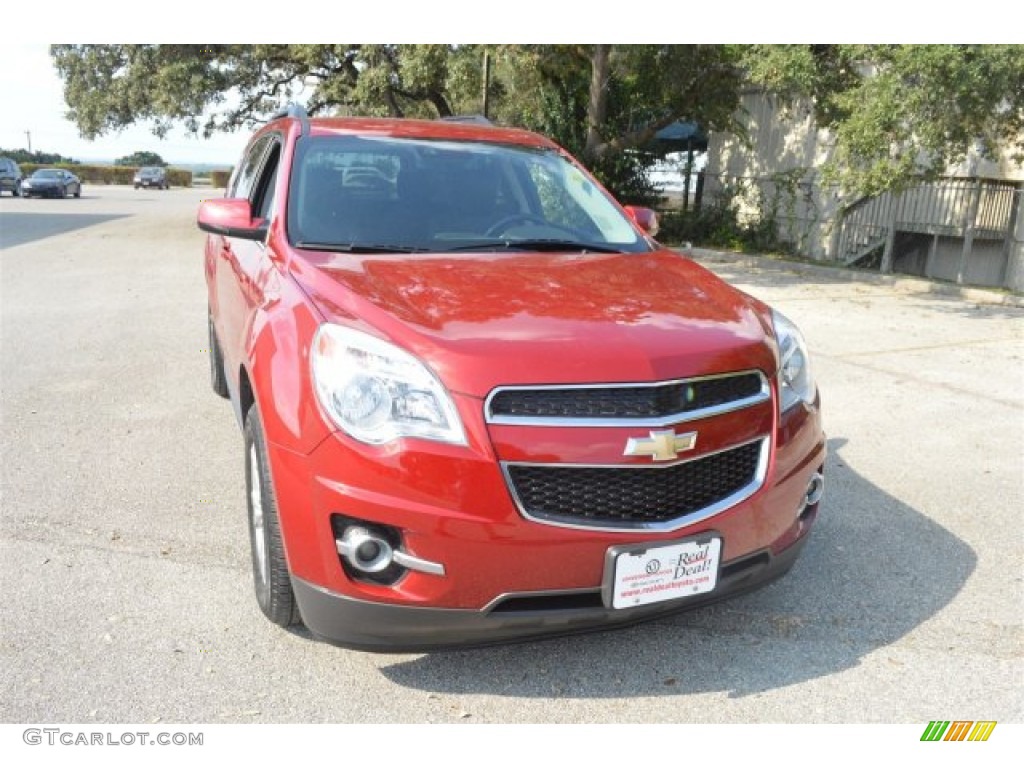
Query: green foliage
{"type": "Point", "coordinates": [897, 112]}
{"type": "Point", "coordinates": [139, 159]}
{"type": "Point", "coordinates": [547, 89]}
{"type": "Point", "coordinates": [901, 113]}
{"type": "Point", "coordinates": [92, 174]}
{"type": "Point", "coordinates": [109, 87]}
{"type": "Point", "coordinates": [39, 158]}
{"type": "Point", "coordinates": [219, 179]}
{"type": "Point", "coordinates": [178, 177]}
{"type": "Point", "coordinates": [718, 224]}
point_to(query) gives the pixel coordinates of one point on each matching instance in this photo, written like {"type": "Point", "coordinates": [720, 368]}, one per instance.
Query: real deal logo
{"type": "Point", "coordinates": [693, 563]}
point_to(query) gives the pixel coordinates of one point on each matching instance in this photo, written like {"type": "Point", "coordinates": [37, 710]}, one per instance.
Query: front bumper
{"type": "Point", "coordinates": [37, 191]}
{"type": "Point", "coordinates": [380, 627]}
{"type": "Point", "coordinates": [505, 577]}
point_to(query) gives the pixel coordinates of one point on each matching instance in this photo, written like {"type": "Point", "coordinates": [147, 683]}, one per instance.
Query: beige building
{"type": "Point", "coordinates": [966, 227]}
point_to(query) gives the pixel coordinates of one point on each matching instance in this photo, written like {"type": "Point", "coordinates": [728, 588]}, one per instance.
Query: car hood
{"type": "Point", "coordinates": [43, 182]}
{"type": "Point", "coordinates": [483, 320]}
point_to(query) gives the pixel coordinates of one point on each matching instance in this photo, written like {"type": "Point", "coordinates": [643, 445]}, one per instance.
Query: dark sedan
{"type": "Point", "coordinates": [151, 176]}
{"type": "Point", "coordinates": [52, 182]}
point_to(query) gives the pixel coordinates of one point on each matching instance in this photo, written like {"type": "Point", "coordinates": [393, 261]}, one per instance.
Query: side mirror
{"type": "Point", "coordinates": [645, 218]}
{"type": "Point", "coordinates": [231, 217]}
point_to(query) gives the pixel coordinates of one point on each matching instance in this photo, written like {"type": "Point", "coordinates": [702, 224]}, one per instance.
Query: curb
{"type": "Point", "coordinates": [901, 283]}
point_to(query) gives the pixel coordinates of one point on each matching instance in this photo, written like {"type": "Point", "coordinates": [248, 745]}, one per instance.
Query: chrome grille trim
{"type": "Point", "coordinates": [659, 421]}
{"type": "Point", "coordinates": [675, 524]}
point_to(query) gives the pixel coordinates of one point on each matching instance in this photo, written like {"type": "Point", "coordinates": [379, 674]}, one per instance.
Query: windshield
{"type": "Point", "coordinates": [47, 174]}
{"type": "Point", "coordinates": [435, 196]}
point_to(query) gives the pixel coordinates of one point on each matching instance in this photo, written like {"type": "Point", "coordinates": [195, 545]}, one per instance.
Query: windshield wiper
{"type": "Point", "coordinates": [358, 247]}
{"type": "Point", "coordinates": [536, 244]}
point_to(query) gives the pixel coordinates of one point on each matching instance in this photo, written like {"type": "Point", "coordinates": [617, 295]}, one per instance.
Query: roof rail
{"type": "Point", "coordinates": [291, 110]}
{"type": "Point", "coordinates": [475, 119]}
{"type": "Point", "coordinates": [294, 110]}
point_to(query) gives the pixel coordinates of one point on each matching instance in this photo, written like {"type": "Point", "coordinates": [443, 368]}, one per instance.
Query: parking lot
{"type": "Point", "coordinates": [125, 563]}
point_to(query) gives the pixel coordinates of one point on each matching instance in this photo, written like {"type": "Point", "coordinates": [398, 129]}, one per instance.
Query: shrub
{"type": "Point", "coordinates": [718, 224]}
{"type": "Point", "coordinates": [110, 174]}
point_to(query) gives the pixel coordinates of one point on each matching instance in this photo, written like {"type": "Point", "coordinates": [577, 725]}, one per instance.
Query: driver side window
{"type": "Point", "coordinates": [265, 189]}
{"type": "Point", "coordinates": [245, 176]}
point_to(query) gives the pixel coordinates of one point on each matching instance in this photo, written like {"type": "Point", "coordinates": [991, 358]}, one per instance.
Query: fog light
{"type": "Point", "coordinates": [374, 552]}
{"type": "Point", "coordinates": [365, 551]}
{"type": "Point", "coordinates": [815, 490]}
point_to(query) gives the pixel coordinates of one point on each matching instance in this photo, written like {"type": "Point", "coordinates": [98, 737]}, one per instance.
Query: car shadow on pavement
{"type": "Point", "coordinates": [20, 228]}
{"type": "Point", "coordinates": [872, 571]}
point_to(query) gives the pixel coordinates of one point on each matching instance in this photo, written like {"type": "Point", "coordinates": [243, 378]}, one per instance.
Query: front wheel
{"type": "Point", "coordinates": [269, 567]}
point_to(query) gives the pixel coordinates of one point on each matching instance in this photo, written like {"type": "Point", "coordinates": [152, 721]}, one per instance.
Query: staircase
{"type": "Point", "coordinates": [865, 231]}
{"type": "Point", "coordinates": [864, 228]}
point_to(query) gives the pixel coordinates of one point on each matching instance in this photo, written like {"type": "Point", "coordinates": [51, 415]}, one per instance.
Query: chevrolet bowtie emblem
{"type": "Point", "coordinates": [662, 445]}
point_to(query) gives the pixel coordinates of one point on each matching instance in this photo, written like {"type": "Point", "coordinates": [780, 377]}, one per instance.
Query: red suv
{"type": "Point", "coordinates": [480, 402]}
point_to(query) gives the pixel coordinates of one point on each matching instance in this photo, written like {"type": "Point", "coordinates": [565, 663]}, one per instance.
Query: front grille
{"type": "Point", "coordinates": [635, 497]}
{"type": "Point", "coordinates": [627, 401]}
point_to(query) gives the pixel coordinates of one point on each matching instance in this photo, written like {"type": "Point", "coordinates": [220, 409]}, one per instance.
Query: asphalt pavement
{"type": "Point", "coordinates": [124, 553]}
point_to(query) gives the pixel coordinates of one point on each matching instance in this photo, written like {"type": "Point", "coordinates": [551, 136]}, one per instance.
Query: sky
{"type": "Point", "coordinates": [32, 99]}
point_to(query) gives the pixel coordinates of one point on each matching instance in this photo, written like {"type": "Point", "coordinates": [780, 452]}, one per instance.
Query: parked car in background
{"type": "Point", "coordinates": [10, 176]}
{"type": "Point", "coordinates": [481, 403]}
{"type": "Point", "coordinates": [52, 182]}
{"type": "Point", "coordinates": [151, 176]}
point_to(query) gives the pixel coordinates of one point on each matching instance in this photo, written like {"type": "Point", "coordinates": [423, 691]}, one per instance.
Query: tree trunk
{"type": "Point", "coordinates": [597, 107]}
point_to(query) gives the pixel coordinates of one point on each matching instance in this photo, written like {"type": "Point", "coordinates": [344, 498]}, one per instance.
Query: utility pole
{"type": "Point", "coordinates": [28, 135]}
{"type": "Point", "coordinates": [487, 82]}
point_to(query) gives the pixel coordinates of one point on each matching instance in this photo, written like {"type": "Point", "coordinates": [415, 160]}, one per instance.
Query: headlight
{"type": "Point", "coordinates": [795, 380]}
{"type": "Point", "coordinates": [377, 392]}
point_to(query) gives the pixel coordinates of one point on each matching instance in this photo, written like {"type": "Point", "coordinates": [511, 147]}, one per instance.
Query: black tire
{"type": "Point", "coordinates": [16, 192]}
{"type": "Point", "coordinates": [136, 186]}
{"type": "Point", "coordinates": [78, 192]}
{"type": "Point", "coordinates": [218, 380]}
{"type": "Point", "coordinates": [271, 579]}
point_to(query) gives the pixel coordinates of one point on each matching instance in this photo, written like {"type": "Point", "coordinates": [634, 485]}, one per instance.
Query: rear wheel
{"type": "Point", "coordinates": [271, 579]}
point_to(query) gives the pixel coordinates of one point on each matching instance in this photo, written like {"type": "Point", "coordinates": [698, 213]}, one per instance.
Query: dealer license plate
{"type": "Point", "coordinates": [638, 575]}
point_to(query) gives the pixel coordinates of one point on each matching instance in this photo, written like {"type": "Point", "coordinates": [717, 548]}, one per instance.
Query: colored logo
{"type": "Point", "coordinates": [958, 730]}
